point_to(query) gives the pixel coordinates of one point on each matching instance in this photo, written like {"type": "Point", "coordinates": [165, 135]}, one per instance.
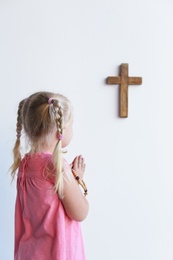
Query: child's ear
{"type": "Point", "coordinates": [57, 134]}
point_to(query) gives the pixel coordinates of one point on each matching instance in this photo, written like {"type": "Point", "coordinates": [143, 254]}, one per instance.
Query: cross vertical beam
{"type": "Point", "coordinates": [124, 81]}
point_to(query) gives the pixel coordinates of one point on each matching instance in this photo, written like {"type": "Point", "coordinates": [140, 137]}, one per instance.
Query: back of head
{"type": "Point", "coordinates": [39, 116]}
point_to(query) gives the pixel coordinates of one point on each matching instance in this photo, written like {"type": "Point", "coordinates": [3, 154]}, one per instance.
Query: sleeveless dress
{"type": "Point", "coordinates": [43, 230]}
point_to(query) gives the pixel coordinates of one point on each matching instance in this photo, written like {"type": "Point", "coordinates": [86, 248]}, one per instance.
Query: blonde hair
{"type": "Point", "coordinates": [38, 115]}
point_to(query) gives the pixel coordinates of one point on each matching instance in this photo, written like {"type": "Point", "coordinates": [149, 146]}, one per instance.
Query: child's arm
{"type": "Point", "coordinates": [74, 201]}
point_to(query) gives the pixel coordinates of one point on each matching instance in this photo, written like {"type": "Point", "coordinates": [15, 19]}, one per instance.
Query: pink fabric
{"type": "Point", "coordinates": [43, 231]}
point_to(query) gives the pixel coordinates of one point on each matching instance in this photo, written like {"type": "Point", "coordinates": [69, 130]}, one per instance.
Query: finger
{"type": "Point", "coordinates": [74, 163]}
{"type": "Point", "coordinates": [82, 162]}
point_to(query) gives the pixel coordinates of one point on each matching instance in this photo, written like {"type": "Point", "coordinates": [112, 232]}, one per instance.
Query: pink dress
{"type": "Point", "coordinates": [43, 230]}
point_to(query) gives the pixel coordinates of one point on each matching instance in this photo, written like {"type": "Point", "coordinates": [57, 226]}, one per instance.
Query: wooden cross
{"type": "Point", "coordinates": [124, 80]}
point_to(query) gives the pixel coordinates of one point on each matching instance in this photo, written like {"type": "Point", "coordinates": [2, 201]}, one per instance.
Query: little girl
{"type": "Point", "coordinates": [51, 194]}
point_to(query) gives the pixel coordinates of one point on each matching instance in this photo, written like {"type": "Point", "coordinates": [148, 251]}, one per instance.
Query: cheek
{"type": "Point", "coordinates": [71, 134]}
{"type": "Point", "coordinates": [68, 134]}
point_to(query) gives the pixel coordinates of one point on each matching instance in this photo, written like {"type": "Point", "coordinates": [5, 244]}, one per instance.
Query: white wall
{"type": "Point", "coordinates": [71, 47]}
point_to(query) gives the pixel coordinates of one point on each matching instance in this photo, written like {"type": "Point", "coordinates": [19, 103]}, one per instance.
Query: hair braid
{"type": "Point", "coordinates": [57, 155]}
{"type": "Point", "coordinates": [16, 149]}
{"type": "Point", "coordinates": [59, 118]}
